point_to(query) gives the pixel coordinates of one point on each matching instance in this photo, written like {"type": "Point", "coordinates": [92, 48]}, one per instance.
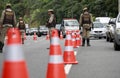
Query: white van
{"type": "Point", "coordinates": [69, 24]}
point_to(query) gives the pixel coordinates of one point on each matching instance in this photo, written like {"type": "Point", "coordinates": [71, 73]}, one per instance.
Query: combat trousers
{"type": "Point", "coordinates": [86, 34]}
{"type": "Point", "coordinates": [22, 32]}
{"type": "Point", "coordinates": [3, 33]}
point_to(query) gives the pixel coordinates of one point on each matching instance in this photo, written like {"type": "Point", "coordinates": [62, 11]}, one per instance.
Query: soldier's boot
{"type": "Point", "coordinates": [88, 42]}
{"type": "Point", "coordinates": [22, 40]}
{"type": "Point", "coordinates": [83, 42]}
{"type": "Point", "coordinates": [1, 47]}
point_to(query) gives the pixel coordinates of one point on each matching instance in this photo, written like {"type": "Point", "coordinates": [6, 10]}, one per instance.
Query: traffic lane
{"type": "Point", "coordinates": [37, 56]}
{"type": "Point", "coordinates": [98, 61]}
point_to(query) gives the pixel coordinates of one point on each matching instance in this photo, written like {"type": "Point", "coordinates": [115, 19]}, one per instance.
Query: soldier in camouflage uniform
{"type": "Point", "coordinates": [86, 24]}
{"type": "Point", "coordinates": [8, 19]}
{"type": "Point", "coordinates": [51, 22]}
{"type": "Point", "coordinates": [21, 27]}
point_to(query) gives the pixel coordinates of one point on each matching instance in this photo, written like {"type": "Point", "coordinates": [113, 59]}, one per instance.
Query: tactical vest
{"type": "Point", "coordinates": [21, 25]}
{"type": "Point", "coordinates": [86, 19]}
{"type": "Point", "coordinates": [9, 17]}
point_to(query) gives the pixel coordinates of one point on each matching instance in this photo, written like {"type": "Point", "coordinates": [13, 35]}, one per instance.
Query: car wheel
{"type": "Point", "coordinates": [107, 39]}
{"type": "Point", "coordinates": [100, 37]}
{"type": "Point", "coordinates": [116, 46]}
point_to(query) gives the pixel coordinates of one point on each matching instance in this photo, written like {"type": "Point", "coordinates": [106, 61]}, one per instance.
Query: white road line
{"type": "Point", "coordinates": [69, 66]}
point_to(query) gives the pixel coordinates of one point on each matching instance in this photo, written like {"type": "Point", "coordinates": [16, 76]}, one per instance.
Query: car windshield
{"type": "Point", "coordinates": [71, 23]}
{"type": "Point", "coordinates": [43, 28]}
{"type": "Point", "coordinates": [98, 25]}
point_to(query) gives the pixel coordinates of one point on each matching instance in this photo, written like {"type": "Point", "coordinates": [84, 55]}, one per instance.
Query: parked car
{"type": "Point", "coordinates": [99, 30]}
{"type": "Point", "coordinates": [33, 30]}
{"type": "Point", "coordinates": [42, 30]}
{"type": "Point", "coordinates": [117, 33]}
{"type": "Point", "coordinates": [69, 24]}
{"type": "Point", "coordinates": [110, 30]}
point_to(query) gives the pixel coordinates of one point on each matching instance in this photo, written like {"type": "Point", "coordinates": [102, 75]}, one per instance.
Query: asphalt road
{"type": "Point", "coordinates": [97, 61]}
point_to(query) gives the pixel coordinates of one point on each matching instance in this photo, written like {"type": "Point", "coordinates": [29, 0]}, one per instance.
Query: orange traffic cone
{"type": "Point", "coordinates": [35, 36]}
{"type": "Point", "coordinates": [55, 65]}
{"type": "Point", "coordinates": [78, 42]}
{"type": "Point", "coordinates": [61, 36]}
{"type": "Point", "coordinates": [47, 36]}
{"type": "Point", "coordinates": [74, 40]}
{"type": "Point", "coordinates": [25, 38]}
{"type": "Point", "coordinates": [69, 57]}
{"type": "Point", "coordinates": [14, 65]}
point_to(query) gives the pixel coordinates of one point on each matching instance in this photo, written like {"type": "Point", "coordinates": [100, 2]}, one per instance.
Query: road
{"type": "Point", "coordinates": [97, 61]}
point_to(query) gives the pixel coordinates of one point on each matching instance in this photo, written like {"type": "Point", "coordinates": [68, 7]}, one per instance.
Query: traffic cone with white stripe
{"type": "Point", "coordinates": [47, 36]}
{"type": "Point", "coordinates": [34, 36]}
{"type": "Point", "coordinates": [25, 38]}
{"type": "Point", "coordinates": [74, 39]}
{"type": "Point", "coordinates": [61, 36]}
{"type": "Point", "coordinates": [78, 42]}
{"type": "Point", "coordinates": [14, 65]}
{"type": "Point", "coordinates": [69, 57]}
{"type": "Point", "coordinates": [55, 65]}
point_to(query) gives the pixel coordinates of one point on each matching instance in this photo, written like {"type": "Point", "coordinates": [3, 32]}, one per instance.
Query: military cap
{"type": "Point", "coordinates": [8, 4]}
{"type": "Point", "coordinates": [50, 10]}
{"type": "Point", "coordinates": [85, 8]}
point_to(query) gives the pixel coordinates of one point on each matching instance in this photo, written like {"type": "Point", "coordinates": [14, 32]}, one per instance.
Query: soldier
{"type": "Point", "coordinates": [8, 19]}
{"type": "Point", "coordinates": [21, 27]}
{"type": "Point", "coordinates": [51, 21]}
{"type": "Point", "coordinates": [86, 23]}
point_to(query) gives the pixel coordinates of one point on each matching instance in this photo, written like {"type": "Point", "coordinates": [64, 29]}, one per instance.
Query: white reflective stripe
{"type": "Point", "coordinates": [73, 39]}
{"type": "Point", "coordinates": [68, 37]}
{"type": "Point", "coordinates": [55, 41]}
{"type": "Point", "coordinates": [69, 48]}
{"type": "Point", "coordinates": [56, 59]}
{"type": "Point", "coordinates": [77, 38]}
{"type": "Point", "coordinates": [13, 53]}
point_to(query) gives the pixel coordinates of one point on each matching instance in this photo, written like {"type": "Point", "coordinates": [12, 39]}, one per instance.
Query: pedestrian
{"type": "Point", "coordinates": [21, 27]}
{"type": "Point", "coordinates": [8, 20]}
{"type": "Point", "coordinates": [51, 22]}
{"type": "Point", "coordinates": [86, 24]}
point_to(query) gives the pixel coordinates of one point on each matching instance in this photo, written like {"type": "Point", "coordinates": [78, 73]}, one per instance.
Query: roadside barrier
{"type": "Point", "coordinates": [14, 65]}
{"type": "Point", "coordinates": [56, 65]}
{"type": "Point", "coordinates": [69, 57]}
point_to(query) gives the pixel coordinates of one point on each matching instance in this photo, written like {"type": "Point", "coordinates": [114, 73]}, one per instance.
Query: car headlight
{"type": "Point", "coordinates": [118, 31]}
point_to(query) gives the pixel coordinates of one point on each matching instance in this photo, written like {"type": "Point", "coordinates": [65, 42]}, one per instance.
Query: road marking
{"type": "Point", "coordinates": [69, 66]}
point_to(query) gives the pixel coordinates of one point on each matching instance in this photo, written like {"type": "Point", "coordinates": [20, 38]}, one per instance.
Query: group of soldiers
{"type": "Point", "coordinates": [85, 21]}
{"type": "Point", "coordinates": [8, 20]}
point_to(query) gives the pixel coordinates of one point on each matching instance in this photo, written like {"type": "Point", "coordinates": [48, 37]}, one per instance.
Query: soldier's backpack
{"type": "Point", "coordinates": [9, 17]}
{"type": "Point", "coordinates": [86, 19]}
{"type": "Point", "coordinates": [21, 25]}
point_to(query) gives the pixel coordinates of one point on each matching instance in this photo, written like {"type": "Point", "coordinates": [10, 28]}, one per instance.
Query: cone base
{"type": "Point", "coordinates": [56, 71]}
{"type": "Point", "coordinates": [15, 70]}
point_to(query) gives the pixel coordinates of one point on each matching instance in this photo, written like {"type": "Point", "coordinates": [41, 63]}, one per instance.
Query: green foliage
{"type": "Point", "coordinates": [35, 11]}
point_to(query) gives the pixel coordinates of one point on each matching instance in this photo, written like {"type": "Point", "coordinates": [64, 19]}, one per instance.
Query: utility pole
{"type": "Point", "coordinates": [118, 5]}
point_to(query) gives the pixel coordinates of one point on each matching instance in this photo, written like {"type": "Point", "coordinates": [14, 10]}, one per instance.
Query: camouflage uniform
{"type": "Point", "coordinates": [86, 24]}
{"type": "Point", "coordinates": [6, 23]}
{"type": "Point", "coordinates": [21, 27]}
{"type": "Point", "coordinates": [51, 21]}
